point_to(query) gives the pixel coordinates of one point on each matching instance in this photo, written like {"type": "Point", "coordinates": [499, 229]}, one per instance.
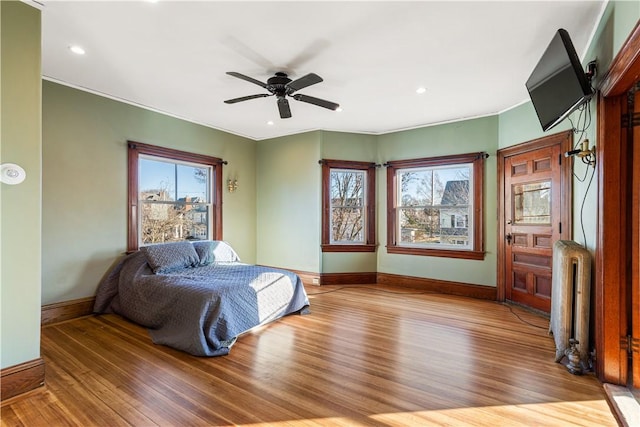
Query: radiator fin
{"type": "Point", "coordinates": [570, 298]}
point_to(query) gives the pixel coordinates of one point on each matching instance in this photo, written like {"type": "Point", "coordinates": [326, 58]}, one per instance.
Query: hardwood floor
{"type": "Point", "coordinates": [364, 356]}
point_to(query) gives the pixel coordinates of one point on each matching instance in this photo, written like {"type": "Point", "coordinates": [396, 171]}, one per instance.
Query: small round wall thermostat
{"type": "Point", "coordinates": [12, 174]}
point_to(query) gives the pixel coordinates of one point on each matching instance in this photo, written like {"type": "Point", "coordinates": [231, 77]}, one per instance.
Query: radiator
{"type": "Point", "coordinates": [570, 298]}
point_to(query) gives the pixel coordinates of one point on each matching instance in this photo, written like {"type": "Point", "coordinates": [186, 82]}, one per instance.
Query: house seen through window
{"type": "Point", "coordinates": [175, 200]}
{"type": "Point", "coordinates": [433, 204]}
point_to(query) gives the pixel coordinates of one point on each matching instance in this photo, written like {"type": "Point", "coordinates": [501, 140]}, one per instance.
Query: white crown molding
{"type": "Point", "coordinates": [37, 4]}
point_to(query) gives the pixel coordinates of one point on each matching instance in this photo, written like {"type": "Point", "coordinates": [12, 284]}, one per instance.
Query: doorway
{"type": "Point", "coordinates": [534, 211]}
{"type": "Point", "coordinates": [617, 281]}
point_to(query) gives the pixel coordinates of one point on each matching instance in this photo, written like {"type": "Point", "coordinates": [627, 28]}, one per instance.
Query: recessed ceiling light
{"type": "Point", "coordinates": [339, 109]}
{"type": "Point", "coordinates": [270, 123]}
{"type": "Point", "coordinates": [421, 90]}
{"type": "Point", "coordinates": [77, 49]}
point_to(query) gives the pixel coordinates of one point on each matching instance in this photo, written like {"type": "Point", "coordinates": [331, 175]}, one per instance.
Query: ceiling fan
{"type": "Point", "coordinates": [282, 86]}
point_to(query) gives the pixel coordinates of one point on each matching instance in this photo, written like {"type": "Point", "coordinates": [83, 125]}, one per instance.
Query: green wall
{"type": "Point", "coordinates": [354, 147]}
{"type": "Point", "coordinates": [289, 199]}
{"type": "Point", "coordinates": [521, 124]}
{"type": "Point", "coordinates": [84, 173]}
{"type": "Point", "coordinates": [453, 138]}
{"type": "Point", "coordinates": [21, 208]}
{"type": "Point", "coordinates": [288, 202]}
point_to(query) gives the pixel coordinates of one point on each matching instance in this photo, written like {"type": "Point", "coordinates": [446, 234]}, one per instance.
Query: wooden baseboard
{"type": "Point", "coordinates": [426, 284]}
{"type": "Point", "coordinates": [307, 277]}
{"type": "Point", "coordinates": [348, 278]}
{"type": "Point", "coordinates": [440, 286]}
{"type": "Point", "coordinates": [66, 310]}
{"type": "Point", "coordinates": [21, 378]}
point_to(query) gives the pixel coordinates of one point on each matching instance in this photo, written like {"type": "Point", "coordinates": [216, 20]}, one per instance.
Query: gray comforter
{"type": "Point", "coordinates": [199, 310]}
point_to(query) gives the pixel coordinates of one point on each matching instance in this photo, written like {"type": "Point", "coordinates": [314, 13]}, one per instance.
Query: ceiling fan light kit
{"type": "Point", "coordinates": [281, 86]}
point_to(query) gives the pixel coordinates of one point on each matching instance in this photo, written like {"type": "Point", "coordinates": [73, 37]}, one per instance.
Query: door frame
{"type": "Point", "coordinates": [612, 247]}
{"type": "Point", "coordinates": [565, 140]}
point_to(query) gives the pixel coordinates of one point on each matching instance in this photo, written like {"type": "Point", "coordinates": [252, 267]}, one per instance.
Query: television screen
{"type": "Point", "coordinates": [558, 84]}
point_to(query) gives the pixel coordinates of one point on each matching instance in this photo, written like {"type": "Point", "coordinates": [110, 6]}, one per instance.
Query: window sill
{"type": "Point", "coordinates": [348, 248]}
{"type": "Point", "coordinates": [445, 253]}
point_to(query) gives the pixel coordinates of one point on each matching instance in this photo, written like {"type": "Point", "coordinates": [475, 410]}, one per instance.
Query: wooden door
{"type": "Point", "coordinates": [534, 213]}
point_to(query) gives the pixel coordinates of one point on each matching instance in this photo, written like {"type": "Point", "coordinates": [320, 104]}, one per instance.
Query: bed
{"type": "Point", "coordinates": [198, 296]}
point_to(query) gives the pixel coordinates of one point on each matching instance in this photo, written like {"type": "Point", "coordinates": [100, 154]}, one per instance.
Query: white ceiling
{"type": "Point", "coordinates": [171, 56]}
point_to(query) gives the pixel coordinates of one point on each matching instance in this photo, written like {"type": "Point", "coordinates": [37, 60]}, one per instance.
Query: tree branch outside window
{"type": "Point", "coordinates": [348, 206]}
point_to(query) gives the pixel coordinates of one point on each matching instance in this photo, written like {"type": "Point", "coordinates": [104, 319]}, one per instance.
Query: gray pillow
{"type": "Point", "coordinates": [215, 251]}
{"type": "Point", "coordinates": [168, 257]}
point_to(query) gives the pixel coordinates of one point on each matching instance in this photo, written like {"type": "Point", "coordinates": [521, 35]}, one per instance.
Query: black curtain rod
{"type": "Point", "coordinates": [479, 156]}
{"type": "Point", "coordinates": [322, 162]}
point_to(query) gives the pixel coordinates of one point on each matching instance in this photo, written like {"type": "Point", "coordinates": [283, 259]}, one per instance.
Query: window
{"type": "Point", "coordinates": [460, 221]}
{"type": "Point", "coordinates": [173, 196]}
{"type": "Point", "coordinates": [348, 206]}
{"type": "Point", "coordinates": [435, 206]}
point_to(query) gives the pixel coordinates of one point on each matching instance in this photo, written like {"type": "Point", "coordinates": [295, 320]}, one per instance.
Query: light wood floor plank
{"type": "Point", "coordinates": [364, 356]}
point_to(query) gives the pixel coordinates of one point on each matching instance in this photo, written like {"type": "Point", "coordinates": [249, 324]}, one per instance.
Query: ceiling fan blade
{"type": "Point", "coordinates": [302, 82]}
{"type": "Point", "coordinates": [316, 101]}
{"type": "Point", "coordinates": [247, 78]}
{"type": "Point", "coordinates": [283, 107]}
{"type": "Point", "coordinates": [246, 98]}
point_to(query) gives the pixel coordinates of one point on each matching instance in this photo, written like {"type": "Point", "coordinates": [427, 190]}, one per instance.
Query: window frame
{"type": "Point", "coordinates": [135, 149]}
{"type": "Point", "coordinates": [370, 193]}
{"type": "Point", "coordinates": [477, 203]}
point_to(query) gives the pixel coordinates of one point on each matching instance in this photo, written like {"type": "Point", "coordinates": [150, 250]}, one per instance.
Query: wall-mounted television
{"type": "Point", "coordinates": [558, 84]}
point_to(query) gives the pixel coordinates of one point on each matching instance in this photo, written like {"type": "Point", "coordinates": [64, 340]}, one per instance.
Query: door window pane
{"type": "Point", "coordinates": [532, 203]}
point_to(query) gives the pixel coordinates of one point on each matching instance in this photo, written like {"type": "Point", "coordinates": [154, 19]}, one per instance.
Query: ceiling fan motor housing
{"type": "Point", "coordinates": [277, 84]}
